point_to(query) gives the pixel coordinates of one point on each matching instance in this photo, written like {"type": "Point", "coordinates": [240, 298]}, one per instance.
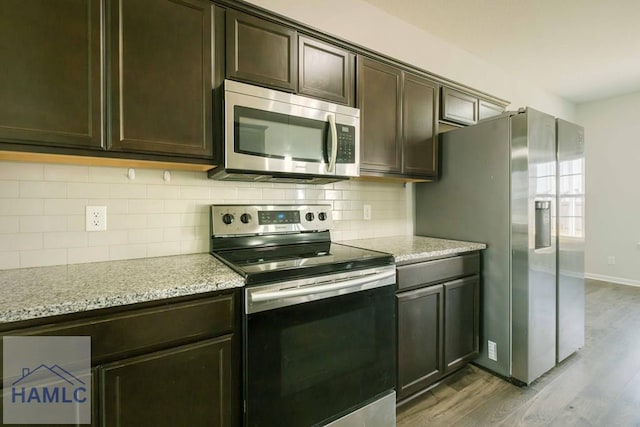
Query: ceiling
{"type": "Point", "coordinates": [581, 50]}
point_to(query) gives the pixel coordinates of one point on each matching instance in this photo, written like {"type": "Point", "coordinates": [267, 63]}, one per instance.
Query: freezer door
{"type": "Point", "coordinates": [571, 238]}
{"type": "Point", "coordinates": [533, 274]}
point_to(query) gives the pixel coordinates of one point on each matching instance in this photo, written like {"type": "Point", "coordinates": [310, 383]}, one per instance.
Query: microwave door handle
{"type": "Point", "coordinates": [334, 143]}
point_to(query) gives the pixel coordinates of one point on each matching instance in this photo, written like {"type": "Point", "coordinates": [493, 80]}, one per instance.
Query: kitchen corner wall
{"type": "Point", "coordinates": [42, 211]}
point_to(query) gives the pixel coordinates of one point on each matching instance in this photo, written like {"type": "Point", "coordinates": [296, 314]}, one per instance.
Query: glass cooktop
{"type": "Point", "coordinates": [287, 262]}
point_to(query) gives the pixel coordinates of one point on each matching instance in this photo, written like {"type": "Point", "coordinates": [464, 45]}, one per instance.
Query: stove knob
{"type": "Point", "coordinates": [322, 216]}
{"type": "Point", "coordinates": [227, 218]}
{"type": "Point", "coordinates": [309, 216]}
{"type": "Point", "coordinates": [245, 218]}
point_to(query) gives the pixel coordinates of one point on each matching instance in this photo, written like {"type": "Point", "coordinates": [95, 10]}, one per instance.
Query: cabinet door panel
{"type": "Point", "coordinates": [487, 109]}
{"type": "Point", "coordinates": [325, 71]}
{"type": "Point", "coordinates": [260, 51]}
{"type": "Point", "coordinates": [379, 100]}
{"type": "Point", "coordinates": [160, 76]}
{"type": "Point", "coordinates": [419, 339]}
{"type": "Point", "coordinates": [461, 320]}
{"type": "Point", "coordinates": [50, 80]}
{"type": "Point", "coordinates": [184, 386]}
{"type": "Point", "coordinates": [420, 126]}
{"type": "Point", "coordinates": [459, 107]}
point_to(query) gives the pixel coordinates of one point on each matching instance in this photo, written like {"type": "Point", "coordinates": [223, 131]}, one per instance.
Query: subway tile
{"type": "Point", "coordinates": [43, 190]}
{"type": "Point", "coordinates": [64, 206]}
{"type": "Point", "coordinates": [141, 206]}
{"type": "Point", "coordinates": [108, 238]}
{"type": "Point", "coordinates": [84, 255]}
{"type": "Point", "coordinates": [163, 220]}
{"type": "Point", "coordinates": [147, 235]}
{"type": "Point", "coordinates": [273, 194]}
{"type": "Point", "coordinates": [22, 171]}
{"type": "Point", "coordinates": [177, 234]}
{"type": "Point", "coordinates": [43, 223]}
{"type": "Point", "coordinates": [9, 189]}
{"type": "Point", "coordinates": [249, 195]}
{"type": "Point", "coordinates": [127, 191]}
{"type": "Point", "coordinates": [163, 191]}
{"type": "Point", "coordinates": [118, 252]}
{"type": "Point", "coordinates": [43, 258]}
{"type": "Point", "coordinates": [78, 222]}
{"type": "Point", "coordinates": [108, 174]}
{"type": "Point", "coordinates": [187, 177]}
{"type": "Point", "coordinates": [195, 220]}
{"type": "Point", "coordinates": [114, 206]}
{"type": "Point", "coordinates": [194, 246]}
{"type": "Point", "coordinates": [332, 195]}
{"type": "Point", "coordinates": [126, 221]}
{"type": "Point", "coordinates": [10, 224]}
{"type": "Point", "coordinates": [224, 193]}
{"type": "Point", "coordinates": [66, 239]}
{"type": "Point", "coordinates": [314, 194]}
{"type": "Point", "coordinates": [295, 194]}
{"type": "Point", "coordinates": [9, 260]}
{"type": "Point", "coordinates": [180, 206]}
{"type": "Point", "coordinates": [20, 241]}
{"type": "Point", "coordinates": [87, 190]}
{"type": "Point", "coordinates": [194, 193]}
{"type": "Point", "coordinates": [69, 173]}
{"type": "Point", "coordinates": [21, 207]}
{"type": "Point", "coordinates": [163, 249]}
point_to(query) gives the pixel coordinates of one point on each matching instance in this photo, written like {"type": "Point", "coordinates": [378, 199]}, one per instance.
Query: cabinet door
{"type": "Point", "coordinates": [459, 107]}
{"type": "Point", "coordinates": [461, 322]}
{"type": "Point", "coordinates": [160, 76]}
{"type": "Point", "coordinates": [50, 78]}
{"type": "Point", "coordinates": [419, 339]}
{"type": "Point", "coordinates": [325, 71]}
{"type": "Point", "coordinates": [379, 100]}
{"type": "Point", "coordinates": [261, 52]}
{"type": "Point", "coordinates": [420, 126]}
{"type": "Point", "coordinates": [184, 386]}
{"type": "Point", "coordinates": [487, 109]}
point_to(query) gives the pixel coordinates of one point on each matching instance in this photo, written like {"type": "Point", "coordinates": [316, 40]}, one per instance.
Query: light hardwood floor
{"type": "Point", "coordinates": [597, 386]}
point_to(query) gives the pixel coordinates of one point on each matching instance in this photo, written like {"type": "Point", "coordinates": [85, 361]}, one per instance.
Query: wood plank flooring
{"type": "Point", "coordinates": [597, 386]}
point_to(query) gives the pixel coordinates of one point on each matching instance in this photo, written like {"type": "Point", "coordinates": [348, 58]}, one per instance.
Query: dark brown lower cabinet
{"type": "Point", "coordinates": [188, 385]}
{"type": "Point", "coordinates": [438, 320]}
{"type": "Point", "coordinates": [419, 339]}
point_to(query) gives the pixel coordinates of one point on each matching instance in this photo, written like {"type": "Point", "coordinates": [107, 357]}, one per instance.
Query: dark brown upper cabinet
{"type": "Point", "coordinates": [419, 124]}
{"type": "Point", "coordinates": [325, 71]}
{"type": "Point", "coordinates": [160, 76]}
{"type": "Point", "coordinates": [262, 52]}
{"type": "Point", "coordinates": [380, 103]}
{"type": "Point", "coordinates": [398, 119]}
{"type": "Point", "coordinates": [51, 77]}
{"type": "Point", "coordinates": [459, 107]}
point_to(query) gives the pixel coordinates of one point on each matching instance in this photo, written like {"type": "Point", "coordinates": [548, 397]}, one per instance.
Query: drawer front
{"type": "Point", "coordinates": [440, 270]}
{"type": "Point", "coordinates": [116, 335]}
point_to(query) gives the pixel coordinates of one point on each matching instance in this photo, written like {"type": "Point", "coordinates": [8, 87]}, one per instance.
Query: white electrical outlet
{"type": "Point", "coordinates": [611, 260]}
{"type": "Point", "coordinates": [96, 218]}
{"type": "Point", "coordinates": [493, 350]}
{"type": "Point", "coordinates": [366, 212]}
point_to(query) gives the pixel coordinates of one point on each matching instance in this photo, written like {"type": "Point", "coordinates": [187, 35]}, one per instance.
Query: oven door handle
{"type": "Point", "coordinates": [315, 289]}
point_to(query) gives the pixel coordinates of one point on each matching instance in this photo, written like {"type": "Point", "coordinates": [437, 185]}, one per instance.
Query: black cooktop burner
{"type": "Point", "coordinates": [288, 262]}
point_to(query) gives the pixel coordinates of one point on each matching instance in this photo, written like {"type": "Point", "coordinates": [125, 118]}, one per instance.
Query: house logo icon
{"type": "Point", "coordinates": [48, 384]}
{"type": "Point", "coordinates": [46, 380]}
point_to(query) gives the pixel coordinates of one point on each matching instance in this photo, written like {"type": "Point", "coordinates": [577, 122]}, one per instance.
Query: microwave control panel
{"type": "Point", "coordinates": [346, 144]}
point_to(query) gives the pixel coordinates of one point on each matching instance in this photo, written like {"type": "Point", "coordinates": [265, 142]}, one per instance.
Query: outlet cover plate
{"type": "Point", "coordinates": [96, 218]}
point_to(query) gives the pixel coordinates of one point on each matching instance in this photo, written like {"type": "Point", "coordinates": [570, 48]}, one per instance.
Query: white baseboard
{"type": "Point", "coordinates": [612, 279]}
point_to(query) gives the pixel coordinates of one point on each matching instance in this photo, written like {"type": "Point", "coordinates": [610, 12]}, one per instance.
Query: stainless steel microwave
{"type": "Point", "coordinates": [280, 137]}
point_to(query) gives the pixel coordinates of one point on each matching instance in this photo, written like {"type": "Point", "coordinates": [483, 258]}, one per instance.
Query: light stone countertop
{"type": "Point", "coordinates": [30, 293]}
{"type": "Point", "coordinates": [416, 248]}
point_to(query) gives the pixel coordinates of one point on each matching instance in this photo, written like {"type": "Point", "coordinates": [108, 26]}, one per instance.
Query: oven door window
{"type": "Point", "coordinates": [312, 362]}
{"type": "Point", "coordinates": [280, 136]}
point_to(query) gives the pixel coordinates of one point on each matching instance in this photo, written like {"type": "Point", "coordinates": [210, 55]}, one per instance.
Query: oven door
{"type": "Point", "coordinates": [270, 131]}
{"type": "Point", "coordinates": [313, 362]}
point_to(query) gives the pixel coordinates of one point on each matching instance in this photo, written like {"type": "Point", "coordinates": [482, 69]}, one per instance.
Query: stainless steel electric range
{"type": "Point", "coordinates": [318, 318]}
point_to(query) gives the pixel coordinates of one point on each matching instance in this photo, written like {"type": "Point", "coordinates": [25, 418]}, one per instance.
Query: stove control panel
{"type": "Point", "coordinates": [232, 220]}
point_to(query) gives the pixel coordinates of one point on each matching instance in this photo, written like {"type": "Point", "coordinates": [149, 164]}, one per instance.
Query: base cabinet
{"type": "Point", "coordinates": [438, 320]}
{"type": "Point", "coordinates": [166, 388]}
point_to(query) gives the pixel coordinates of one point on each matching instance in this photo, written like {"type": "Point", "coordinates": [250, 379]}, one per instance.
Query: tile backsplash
{"type": "Point", "coordinates": [42, 211]}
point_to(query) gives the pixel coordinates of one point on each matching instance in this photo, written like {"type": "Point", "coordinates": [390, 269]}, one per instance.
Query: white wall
{"type": "Point", "coordinates": [612, 146]}
{"type": "Point", "coordinates": [368, 26]}
{"type": "Point", "coordinates": [42, 211]}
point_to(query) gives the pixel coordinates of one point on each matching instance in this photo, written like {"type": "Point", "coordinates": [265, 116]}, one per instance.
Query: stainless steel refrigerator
{"type": "Point", "coordinates": [516, 183]}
